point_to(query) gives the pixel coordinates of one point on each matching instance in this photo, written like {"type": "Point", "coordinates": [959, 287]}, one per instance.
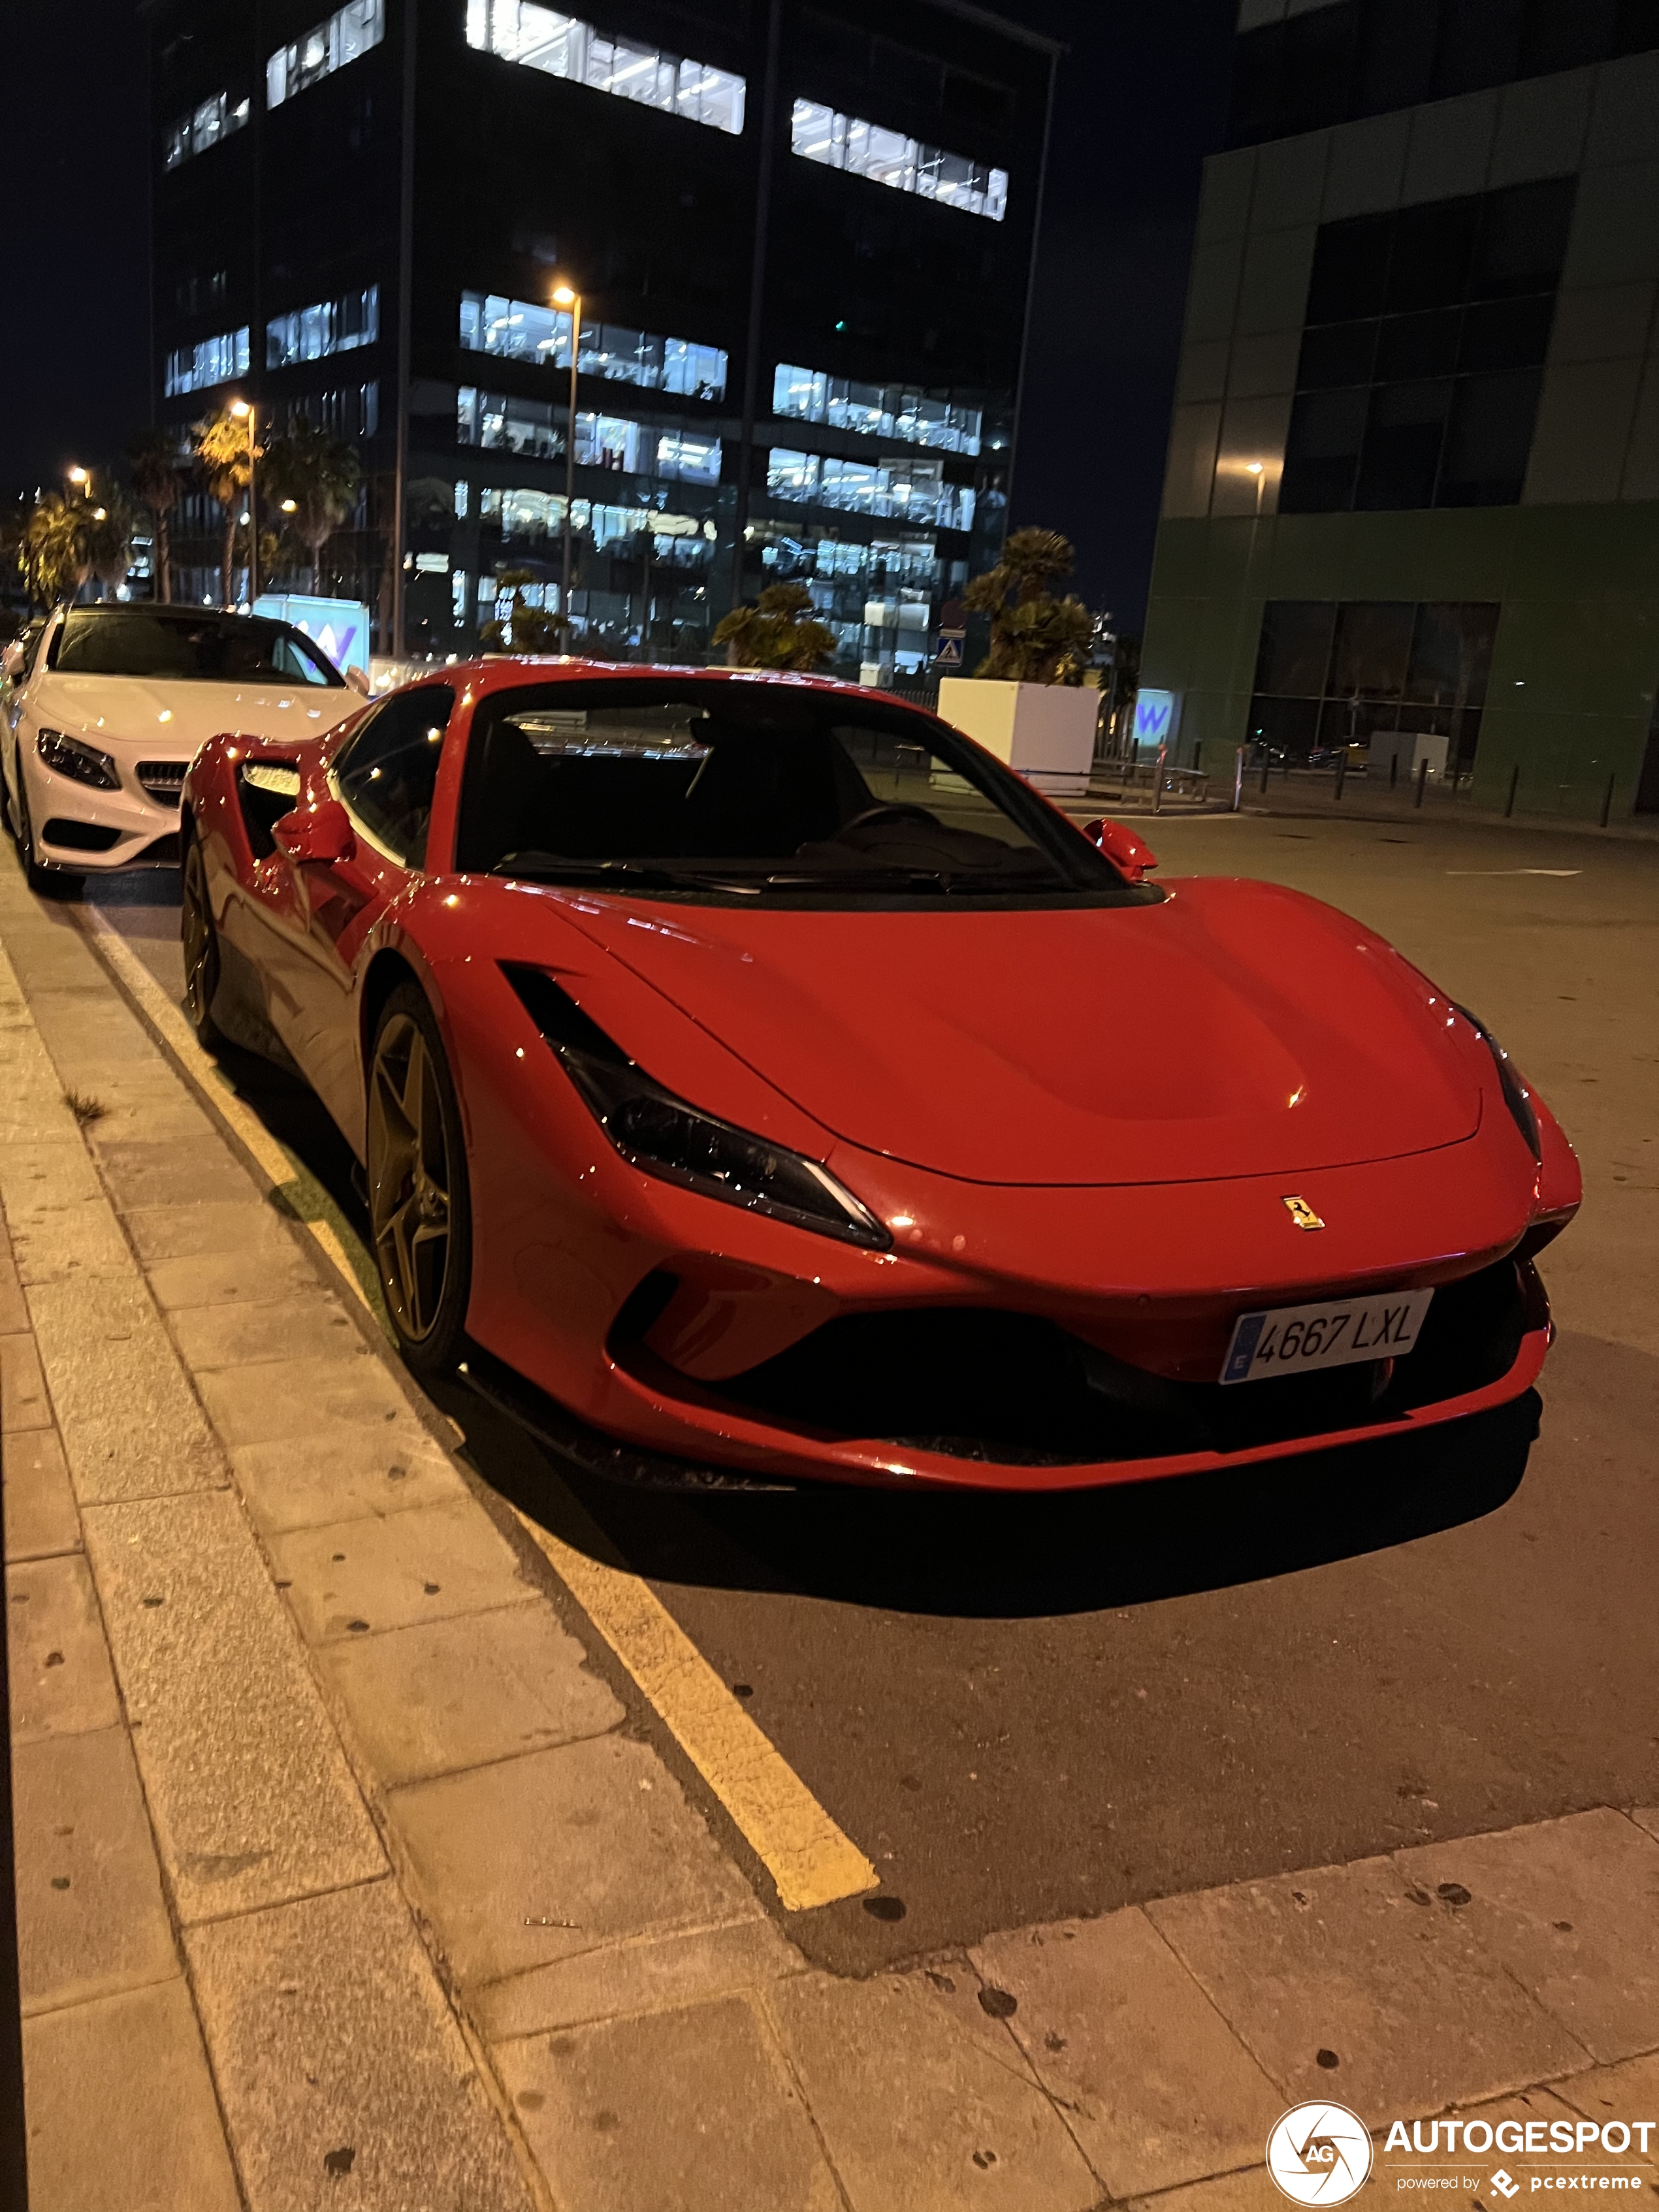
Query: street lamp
{"type": "Point", "coordinates": [565, 296]}
{"type": "Point", "coordinates": [244, 411]}
{"type": "Point", "coordinates": [1254, 468]}
{"type": "Point", "coordinates": [81, 479]}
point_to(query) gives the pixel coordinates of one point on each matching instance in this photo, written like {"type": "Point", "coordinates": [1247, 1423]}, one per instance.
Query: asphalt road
{"type": "Point", "coordinates": [1025, 1714]}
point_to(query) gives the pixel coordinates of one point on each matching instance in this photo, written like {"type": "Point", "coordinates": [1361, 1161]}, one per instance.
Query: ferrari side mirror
{"type": "Point", "coordinates": [1122, 848]}
{"type": "Point", "coordinates": [319, 834]}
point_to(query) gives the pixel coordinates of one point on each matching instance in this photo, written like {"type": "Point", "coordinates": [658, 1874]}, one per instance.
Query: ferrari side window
{"type": "Point", "coordinates": [386, 775]}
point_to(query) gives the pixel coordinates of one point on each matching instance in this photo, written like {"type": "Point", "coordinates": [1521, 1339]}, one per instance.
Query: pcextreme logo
{"type": "Point", "coordinates": [1321, 2154]}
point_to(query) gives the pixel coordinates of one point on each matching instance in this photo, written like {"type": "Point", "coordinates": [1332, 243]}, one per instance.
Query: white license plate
{"type": "Point", "coordinates": [1290, 1339]}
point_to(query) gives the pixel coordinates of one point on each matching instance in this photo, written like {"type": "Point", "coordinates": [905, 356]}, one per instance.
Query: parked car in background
{"type": "Point", "coordinates": [105, 709]}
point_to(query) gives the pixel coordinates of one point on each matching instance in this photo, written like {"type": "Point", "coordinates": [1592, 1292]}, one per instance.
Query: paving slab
{"type": "Point", "coordinates": [122, 2117]}
{"type": "Point", "coordinates": [61, 1683]}
{"type": "Point", "coordinates": [131, 1425]}
{"type": "Point", "coordinates": [58, 1211]}
{"type": "Point", "coordinates": [241, 1332]}
{"type": "Point", "coordinates": [262, 1272]}
{"type": "Point", "coordinates": [443, 1695]}
{"type": "Point", "coordinates": [1159, 2089]}
{"type": "Point", "coordinates": [1343, 1960]}
{"type": "Point", "coordinates": [171, 1171]}
{"type": "Point", "coordinates": [1570, 1907]}
{"type": "Point", "coordinates": [1646, 1817]}
{"type": "Point", "coordinates": [249, 1231]}
{"type": "Point", "coordinates": [40, 1512]}
{"type": "Point", "coordinates": [599, 1834]}
{"type": "Point", "coordinates": [297, 1398]}
{"type": "Point", "coordinates": [252, 1796]}
{"type": "Point", "coordinates": [13, 1312]}
{"type": "Point", "coordinates": [90, 1918]}
{"type": "Point", "coordinates": [680, 2111]}
{"type": "Point", "coordinates": [24, 1404]}
{"type": "Point", "coordinates": [393, 1570]}
{"type": "Point", "coordinates": [343, 2077]}
{"type": "Point", "coordinates": [309, 1482]}
{"type": "Point", "coordinates": [916, 2116]}
{"type": "Point", "coordinates": [1251, 2191]}
{"type": "Point", "coordinates": [1628, 2090]}
{"type": "Point", "coordinates": [656, 1973]}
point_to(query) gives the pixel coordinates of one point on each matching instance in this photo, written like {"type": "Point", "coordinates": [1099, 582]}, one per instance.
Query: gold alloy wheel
{"type": "Point", "coordinates": [409, 1177]}
{"type": "Point", "coordinates": [196, 929]}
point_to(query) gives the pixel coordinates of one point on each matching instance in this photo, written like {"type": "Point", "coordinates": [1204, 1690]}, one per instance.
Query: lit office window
{"type": "Point", "coordinates": [209, 361]}
{"type": "Point", "coordinates": [904, 490]}
{"type": "Point", "coordinates": [876, 410]}
{"type": "Point", "coordinates": [888, 157]}
{"type": "Point", "coordinates": [563, 46]}
{"type": "Point", "coordinates": [203, 127]}
{"type": "Point", "coordinates": [684, 459]}
{"type": "Point", "coordinates": [347, 34]}
{"type": "Point", "coordinates": [328, 326]}
{"type": "Point", "coordinates": [526, 514]}
{"type": "Point", "coordinates": [520, 330]}
{"type": "Point", "coordinates": [503, 423]}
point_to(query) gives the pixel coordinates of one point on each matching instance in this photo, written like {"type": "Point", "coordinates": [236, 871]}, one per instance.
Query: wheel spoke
{"type": "Point", "coordinates": [409, 1177]}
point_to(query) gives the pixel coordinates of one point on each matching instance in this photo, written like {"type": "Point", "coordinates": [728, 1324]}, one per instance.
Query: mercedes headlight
{"type": "Point", "coordinates": [81, 763]}
{"type": "Point", "coordinates": [667, 1137]}
{"type": "Point", "coordinates": [1517, 1096]}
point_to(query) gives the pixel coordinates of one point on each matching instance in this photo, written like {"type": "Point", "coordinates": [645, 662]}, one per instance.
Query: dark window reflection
{"type": "Point", "coordinates": [1331, 673]}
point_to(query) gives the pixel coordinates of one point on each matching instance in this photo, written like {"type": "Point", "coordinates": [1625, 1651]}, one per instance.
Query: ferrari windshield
{"type": "Point", "coordinates": [720, 788]}
{"type": "Point", "coordinates": [187, 645]}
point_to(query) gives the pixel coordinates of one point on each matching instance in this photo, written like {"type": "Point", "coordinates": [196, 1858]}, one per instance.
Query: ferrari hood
{"type": "Point", "coordinates": [175, 719]}
{"type": "Point", "coordinates": [1234, 1029]}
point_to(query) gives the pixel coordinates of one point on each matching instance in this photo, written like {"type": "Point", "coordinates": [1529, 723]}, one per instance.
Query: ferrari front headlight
{"type": "Point", "coordinates": [1517, 1096]}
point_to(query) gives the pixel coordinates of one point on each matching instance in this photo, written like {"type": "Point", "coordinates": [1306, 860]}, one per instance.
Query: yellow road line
{"type": "Point", "coordinates": [167, 1018]}
{"type": "Point", "coordinates": [806, 1855]}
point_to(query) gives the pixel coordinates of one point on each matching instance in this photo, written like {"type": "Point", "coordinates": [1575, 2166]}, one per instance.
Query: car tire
{"type": "Point", "coordinates": [419, 1194]}
{"type": "Point", "coordinates": [45, 880]}
{"type": "Point", "coordinates": [200, 942]}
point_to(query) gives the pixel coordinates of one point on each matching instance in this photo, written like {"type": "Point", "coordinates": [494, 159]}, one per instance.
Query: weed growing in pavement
{"type": "Point", "coordinates": [84, 1108]}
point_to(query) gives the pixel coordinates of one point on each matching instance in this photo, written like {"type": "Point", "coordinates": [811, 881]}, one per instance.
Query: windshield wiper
{"type": "Point", "coordinates": [552, 867]}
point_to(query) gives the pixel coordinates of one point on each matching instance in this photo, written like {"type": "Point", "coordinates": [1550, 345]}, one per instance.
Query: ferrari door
{"type": "Point", "coordinates": [317, 912]}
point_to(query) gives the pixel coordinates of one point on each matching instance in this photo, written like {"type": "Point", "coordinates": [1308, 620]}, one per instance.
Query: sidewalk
{"type": "Point", "coordinates": [354, 1869]}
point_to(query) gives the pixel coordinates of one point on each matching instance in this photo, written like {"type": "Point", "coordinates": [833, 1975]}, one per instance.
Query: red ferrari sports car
{"type": "Point", "coordinates": [755, 1082]}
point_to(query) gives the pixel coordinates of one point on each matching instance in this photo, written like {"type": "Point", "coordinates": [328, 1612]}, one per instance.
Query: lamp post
{"type": "Point", "coordinates": [81, 479]}
{"type": "Point", "coordinates": [244, 411]}
{"type": "Point", "coordinates": [566, 295]}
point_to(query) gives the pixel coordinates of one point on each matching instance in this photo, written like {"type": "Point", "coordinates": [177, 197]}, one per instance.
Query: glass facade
{"type": "Point", "coordinates": [1423, 353]}
{"type": "Point", "coordinates": [327, 327]}
{"type": "Point", "coordinates": [501, 422]}
{"type": "Point", "coordinates": [877, 411]}
{"type": "Point", "coordinates": [209, 361]}
{"type": "Point", "coordinates": [204, 126]}
{"type": "Point", "coordinates": [349, 32]}
{"type": "Point", "coordinates": [1331, 674]}
{"type": "Point", "coordinates": [528, 516]}
{"type": "Point", "coordinates": [890, 489]}
{"type": "Point", "coordinates": [823, 134]}
{"type": "Point", "coordinates": [565, 46]}
{"type": "Point", "coordinates": [1347, 58]}
{"type": "Point", "coordinates": [521, 330]}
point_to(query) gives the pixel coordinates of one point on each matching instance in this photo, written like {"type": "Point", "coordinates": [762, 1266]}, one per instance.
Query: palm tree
{"type": "Point", "coordinates": [777, 634]}
{"type": "Point", "coordinates": [1038, 639]}
{"type": "Point", "coordinates": [315, 478]}
{"type": "Point", "coordinates": [56, 557]}
{"type": "Point", "coordinates": [153, 463]}
{"type": "Point", "coordinates": [224, 446]}
{"type": "Point", "coordinates": [109, 540]}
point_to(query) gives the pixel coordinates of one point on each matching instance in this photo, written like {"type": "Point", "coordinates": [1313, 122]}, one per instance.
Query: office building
{"type": "Point", "coordinates": [1414, 469]}
{"type": "Point", "coordinates": [801, 237]}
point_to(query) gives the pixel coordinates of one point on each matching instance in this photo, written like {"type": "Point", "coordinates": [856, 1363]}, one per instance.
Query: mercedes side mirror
{"type": "Point", "coordinates": [1126, 852]}
{"type": "Point", "coordinates": [358, 679]}
{"type": "Point", "coordinates": [319, 834]}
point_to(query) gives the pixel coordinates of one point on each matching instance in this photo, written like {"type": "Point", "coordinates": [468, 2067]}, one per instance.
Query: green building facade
{"type": "Point", "coordinates": [1413, 486]}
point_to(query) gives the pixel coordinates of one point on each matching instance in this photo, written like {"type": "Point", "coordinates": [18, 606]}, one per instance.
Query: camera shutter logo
{"type": "Point", "coordinates": [1319, 2153]}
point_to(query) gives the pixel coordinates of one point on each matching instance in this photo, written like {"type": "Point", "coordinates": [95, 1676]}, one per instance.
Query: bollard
{"type": "Point", "coordinates": [1264, 765]}
{"type": "Point", "coordinates": [1422, 779]}
{"type": "Point", "coordinates": [1606, 805]}
{"type": "Point", "coordinates": [1341, 772]}
{"type": "Point", "coordinates": [1393, 770]}
{"type": "Point", "coordinates": [1515, 782]}
{"type": "Point", "coordinates": [1238, 777]}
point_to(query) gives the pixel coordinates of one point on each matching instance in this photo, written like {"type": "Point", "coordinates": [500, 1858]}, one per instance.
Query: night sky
{"type": "Point", "coordinates": [1142, 92]}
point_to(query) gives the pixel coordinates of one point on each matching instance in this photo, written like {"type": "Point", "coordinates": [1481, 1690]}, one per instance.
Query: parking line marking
{"type": "Point", "coordinates": [806, 1855]}
{"type": "Point", "coordinates": [247, 1124]}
